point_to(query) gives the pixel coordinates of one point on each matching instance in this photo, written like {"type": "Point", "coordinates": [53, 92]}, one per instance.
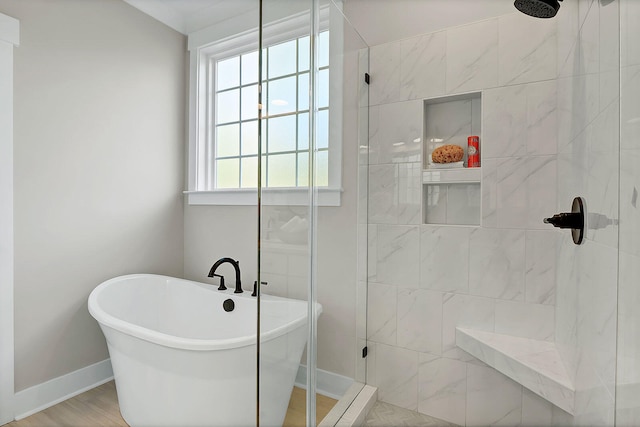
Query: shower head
{"type": "Point", "coordinates": [538, 8]}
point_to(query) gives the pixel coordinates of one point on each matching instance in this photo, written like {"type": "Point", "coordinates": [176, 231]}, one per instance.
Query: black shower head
{"type": "Point", "coordinates": [538, 8]}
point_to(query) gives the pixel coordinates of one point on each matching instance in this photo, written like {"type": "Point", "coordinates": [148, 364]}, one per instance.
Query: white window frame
{"type": "Point", "coordinates": [201, 108]}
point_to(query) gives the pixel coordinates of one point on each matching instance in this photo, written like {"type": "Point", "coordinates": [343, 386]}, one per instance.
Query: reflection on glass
{"type": "Point", "coordinates": [250, 68]}
{"type": "Point", "coordinates": [303, 91]}
{"type": "Point", "coordinates": [228, 73]}
{"type": "Point", "coordinates": [303, 169]}
{"type": "Point", "coordinates": [303, 131]}
{"type": "Point", "coordinates": [227, 140]}
{"type": "Point", "coordinates": [303, 54]}
{"type": "Point", "coordinates": [282, 134]}
{"type": "Point", "coordinates": [250, 138]}
{"type": "Point", "coordinates": [323, 129]}
{"type": "Point", "coordinates": [323, 88]}
{"type": "Point", "coordinates": [281, 170]}
{"type": "Point", "coordinates": [323, 49]}
{"type": "Point", "coordinates": [227, 173]}
{"type": "Point", "coordinates": [249, 176]}
{"type": "Point", "coordinates": [249, 102]}
{"type": "Point", "coordinates": [322, 168]}
{"type": "Point", "coordinates": [228, 106]}
{"type": "Point", "coordinates": [282, 95]}
{"type": "Point", "coordinates": [282, 59]}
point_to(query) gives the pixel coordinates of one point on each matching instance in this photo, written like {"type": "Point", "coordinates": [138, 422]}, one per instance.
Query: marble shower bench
{"type": "Point", "coordinates": [534, 364]}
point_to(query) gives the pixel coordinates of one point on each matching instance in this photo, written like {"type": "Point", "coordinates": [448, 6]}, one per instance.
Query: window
{"type": "Point", "coordinates": [223, 136]}
{"type": "Point", "coordinates": [285, 121]}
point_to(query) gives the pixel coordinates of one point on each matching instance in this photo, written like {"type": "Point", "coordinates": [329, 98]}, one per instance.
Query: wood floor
{"type": "Point", "coordinates": [99, 407]}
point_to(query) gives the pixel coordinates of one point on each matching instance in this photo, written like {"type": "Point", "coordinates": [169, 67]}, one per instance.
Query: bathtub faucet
{"type": "Point", "coordinates": [236, 266]}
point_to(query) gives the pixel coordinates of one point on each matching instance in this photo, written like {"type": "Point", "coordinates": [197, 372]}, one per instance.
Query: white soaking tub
{"type": "Point", "coordinates": [180, 359]}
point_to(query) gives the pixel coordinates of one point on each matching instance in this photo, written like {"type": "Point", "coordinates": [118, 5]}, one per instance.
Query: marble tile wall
{"type": "Point", "coordinates": [424, 280]}
{"type": "Point", "coordinates": [628, 361]}
{"type": "Point", "coordinates": [548, 134]}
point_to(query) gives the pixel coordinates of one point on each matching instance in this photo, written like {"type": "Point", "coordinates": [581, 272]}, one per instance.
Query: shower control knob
{"type": "Point", "coordinates": [573, 220]}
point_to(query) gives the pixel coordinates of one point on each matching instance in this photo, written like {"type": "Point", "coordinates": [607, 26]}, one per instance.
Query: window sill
{"type": "Point", "coordinates": [270, 196]}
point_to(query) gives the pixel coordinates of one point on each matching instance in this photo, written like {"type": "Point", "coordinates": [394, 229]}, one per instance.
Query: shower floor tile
{"type": "Point", "coordinates": [386, 415]}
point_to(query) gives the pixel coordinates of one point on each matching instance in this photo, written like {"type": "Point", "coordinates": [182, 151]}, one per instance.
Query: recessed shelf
{"type": "Point", "coordinates": [536, 365]}
{"type": "Point", "coordinates": [451, 195]}
{"type": "Point", "coordinates": [451, 176]}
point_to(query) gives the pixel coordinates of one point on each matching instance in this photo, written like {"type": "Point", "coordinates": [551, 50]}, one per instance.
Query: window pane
{"type": "Point", "coordinates": [250, 102]}
{"type": "Point", "coordinates": [303, 91]}
{"type": "Point", "coordinates": [303, 169]}
{"type": "Point", "coordinates": [250, 138]}
{"type": "Point", "coordinates": [249, 178]}
{"type": "Point", "coordinates": [282, 134]}
{"type": "Point", "coordinates": [228, 106]}
{"type": "Point", "coordinates": [228, 73]}
{"type": "Point", "coordinates": [323, 89]}
{"type": "Point", "coordinates": [303, 54]}
{"type": "Point", "coordinates": [250, 68]}
{"type": "Point", "coordinates": [282, 170]}
{"type": "Point", "coordinates": [322, 140]}
{"type": "Point", "coordinates": [322, 168]}
{"type": "Point", "coordinates": [303, 131]}
{"type": "Point", "coordinates": [227, 140]}
{"type": "Point", "coordinates": [282, 59]}
{"type": "Point", "coordinates": [323, 49]}
{"type": "Point", "coordinates": [227, 173]}
{"type": "Point", "coordinates": [282, 96]}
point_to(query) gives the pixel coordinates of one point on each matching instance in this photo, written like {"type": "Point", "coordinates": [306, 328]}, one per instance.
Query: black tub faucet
{"type": "Point", "coordinates": [236, 266]}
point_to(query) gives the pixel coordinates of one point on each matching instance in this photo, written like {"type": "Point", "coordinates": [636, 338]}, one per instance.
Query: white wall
{"type": "Point", "coordinates": [99, 153]}
{"type": "Point", "coordinates": [9, 38]}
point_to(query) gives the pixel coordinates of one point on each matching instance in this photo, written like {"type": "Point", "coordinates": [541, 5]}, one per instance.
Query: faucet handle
{"type": "Point", "coordinates": [255, 287]}
{"type": "Point", "coordinates": [222, 287]}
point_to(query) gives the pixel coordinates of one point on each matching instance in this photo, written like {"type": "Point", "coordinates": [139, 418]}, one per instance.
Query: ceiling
{"type": "Point", "coordinates": [187, 16]}
{"type": "Point", "coordinates": [370, 17]}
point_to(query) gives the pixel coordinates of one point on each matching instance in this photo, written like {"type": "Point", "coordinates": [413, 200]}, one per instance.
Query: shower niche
{"type": "Point", "coordinates": [451, 191]}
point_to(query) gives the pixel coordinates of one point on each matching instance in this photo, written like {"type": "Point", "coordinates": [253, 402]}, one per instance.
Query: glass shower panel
{"type": "Point", "coordinates": [314, 114]}
{"type": "Point", "coordinates": [286, 217]}
{"type": "Point", "coordinates": [628, 361]}
{"type": "Point", "coordinates": [588, 166]}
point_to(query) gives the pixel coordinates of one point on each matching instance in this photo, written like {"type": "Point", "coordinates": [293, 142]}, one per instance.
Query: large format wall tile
{"type": "Point", "coordinates": [423, 66]}
{"type": "Point", "coordinates": [523, 46]}
{"type": "Point", "coordinates": [399, 137]}
{"type": "Point", "coordinates": [540, 268]}
{"type": "Point", "coordinates": [398, 255]}
{"type": "Point", "coordinates": [472, 57]}
{"type": "Point", "coordinates": [442, 388]}
{"type": "Point", "coordinates": [384, 67]}
{"type": "Point", "coordinates": [492, 398]}
{"type": "Point", "coordinates": [420, 320]}
{"type": "Point", "coordinates": [496, 263]}
{"type": "Point", "coordinates": [464, 311]}
{"type": "Point", "coordinates": [381, 313]}
{"type": "Point", "coordinates": [444, 258]}
{"type": "Point", "coordinates": [396, 376]}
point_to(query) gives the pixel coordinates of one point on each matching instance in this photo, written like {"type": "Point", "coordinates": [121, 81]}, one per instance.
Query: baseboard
{"type": "Point", "coordinates": [328, 383]}
{"type": "Point", "coordinates": [42, 396]}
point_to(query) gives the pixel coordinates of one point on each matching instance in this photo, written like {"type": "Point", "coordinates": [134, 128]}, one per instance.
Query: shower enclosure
{"type": "Point", "coordinates": [442, 287]}
{"type": "Point", "coordinates": [479, 313]}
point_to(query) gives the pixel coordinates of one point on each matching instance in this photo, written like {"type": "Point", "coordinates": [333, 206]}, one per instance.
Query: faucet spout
{"type": "Point", "coordinates": [236, 266]}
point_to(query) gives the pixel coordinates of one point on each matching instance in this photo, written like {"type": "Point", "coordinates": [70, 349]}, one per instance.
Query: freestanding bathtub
{"type": "Point", "coordinates": [180, 359]}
